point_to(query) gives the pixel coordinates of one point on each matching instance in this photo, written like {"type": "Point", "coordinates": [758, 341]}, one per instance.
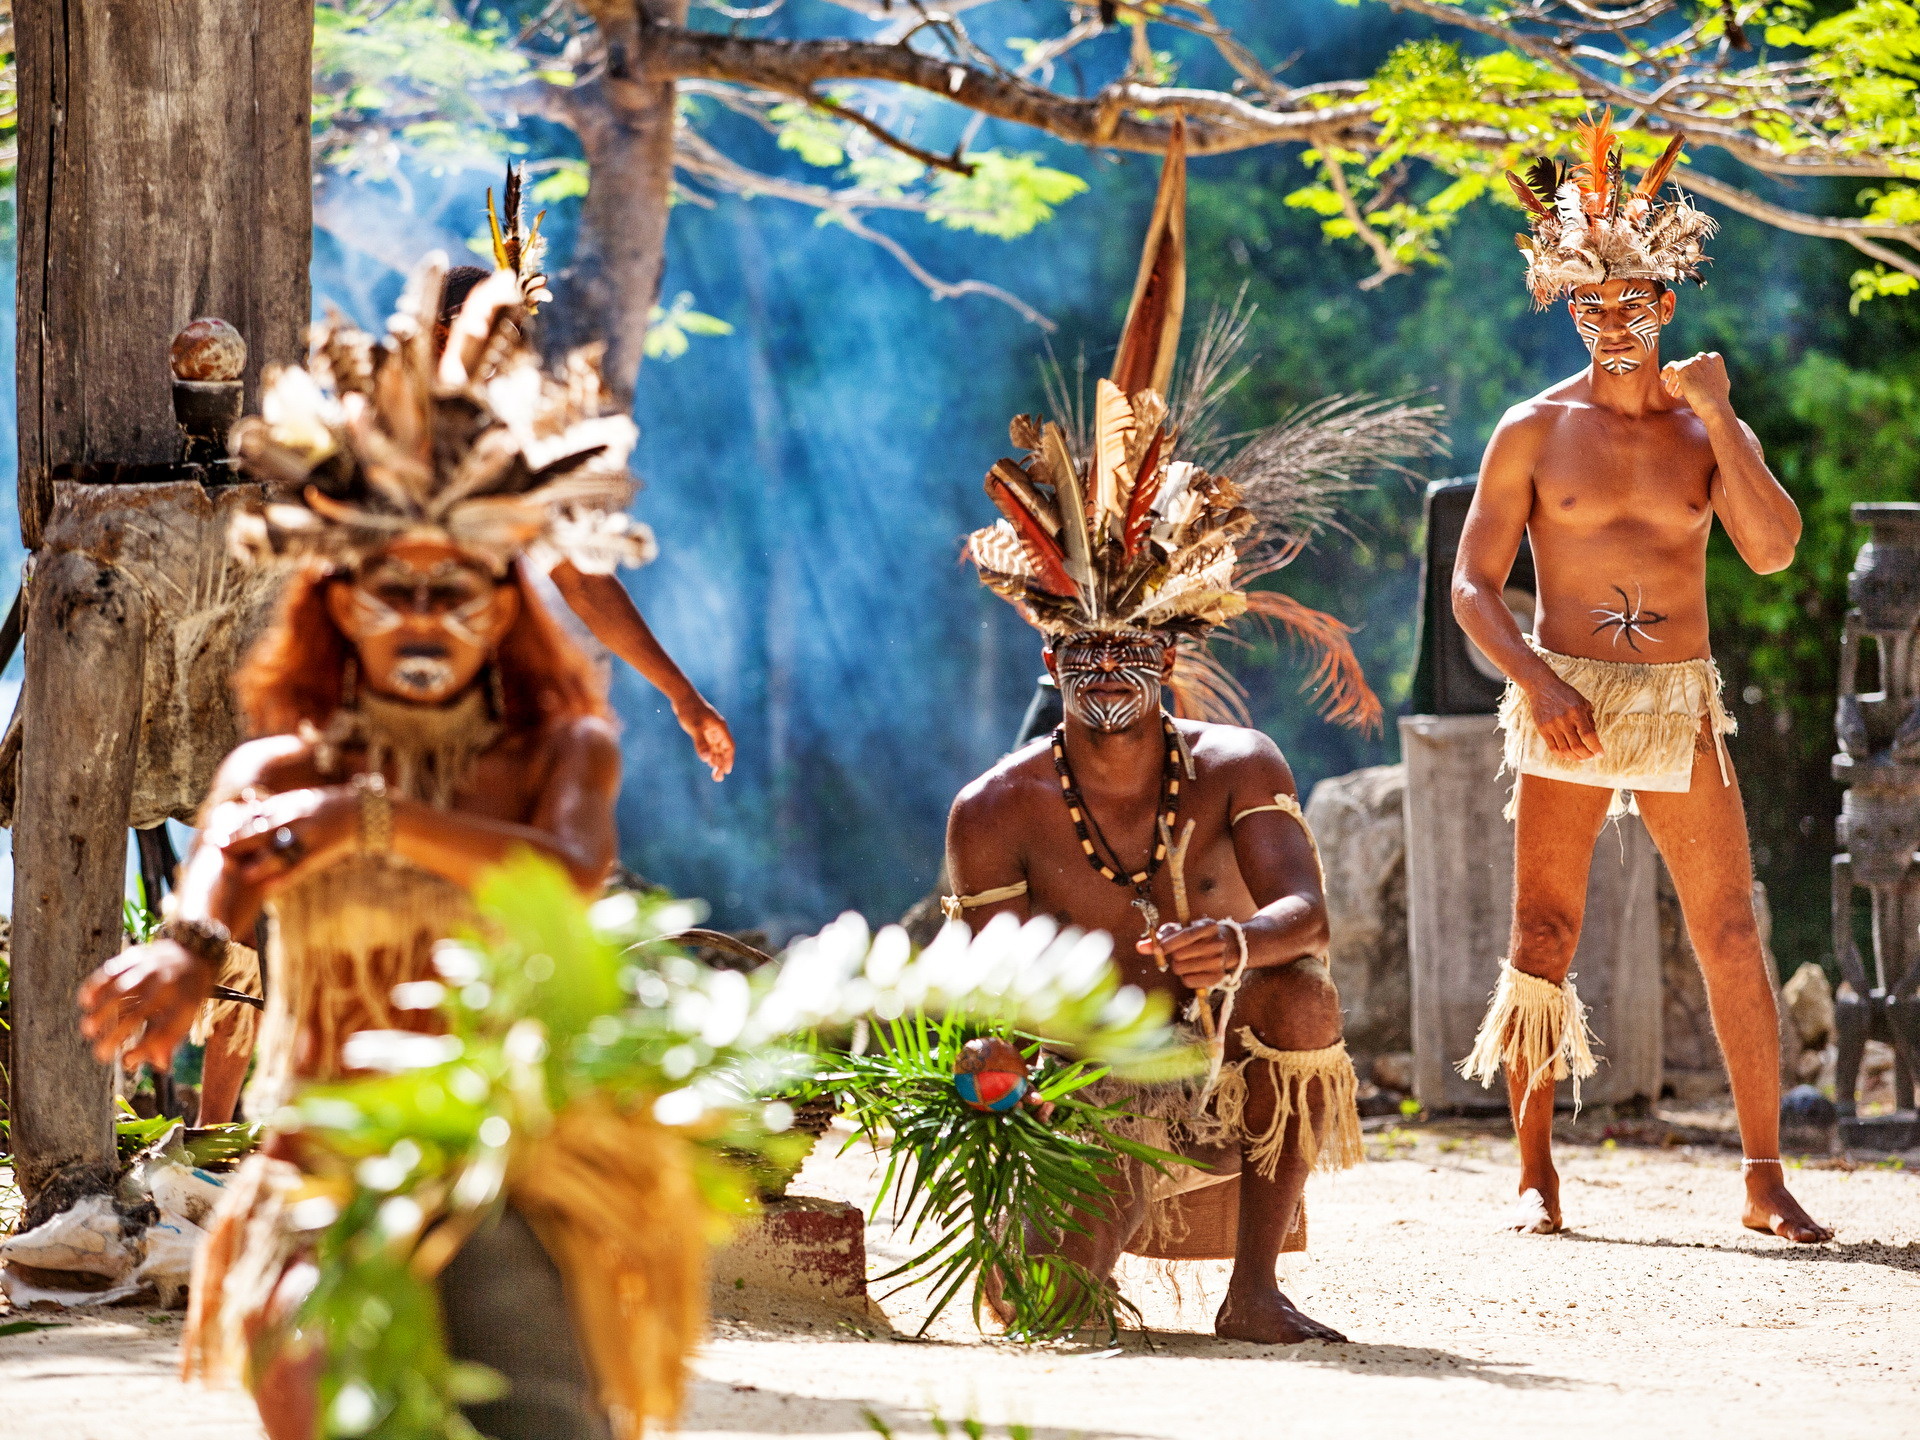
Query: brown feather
{"type": "Point", "coordinates": [1657, 172]}
{"type": "Point", "coordinates": [1049, 565]}
{"type": "Point", "coordinates": [1015, 479]}
{"type": "Point", "coordinates": [1146, 485]}
{"type": "Point", "coordinates": [1526, 196]}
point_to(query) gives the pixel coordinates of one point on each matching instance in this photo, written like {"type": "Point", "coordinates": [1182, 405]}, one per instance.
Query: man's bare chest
{"type": "Point", "coordinates": [1598, 471]}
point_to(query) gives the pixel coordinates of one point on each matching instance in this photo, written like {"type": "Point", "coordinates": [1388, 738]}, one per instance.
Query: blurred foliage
{"type": "Point", "coordinates": [593, 1010]}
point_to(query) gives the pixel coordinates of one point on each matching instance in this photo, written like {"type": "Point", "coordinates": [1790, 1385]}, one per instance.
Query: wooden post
{"type": "Point", "coordinates": [164, 174]}
{"type": "Point", "coordinates": [70, 856]}
{"type": "Point", "coordinates": [1459, 914]}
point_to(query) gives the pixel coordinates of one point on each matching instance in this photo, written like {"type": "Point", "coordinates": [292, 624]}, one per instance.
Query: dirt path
{"type": "Point", "coordinates": [1656, 1312]}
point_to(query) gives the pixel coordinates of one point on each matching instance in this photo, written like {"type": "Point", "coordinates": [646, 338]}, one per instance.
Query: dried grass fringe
{"type": "Point", "coordinates": [1535, 1028]}
{"type": "Point", "coordinates": [613, 1198]}
{"type": "Point", "coordinates": [1329, 1131]}
{"type": "Point", "coordinates": [343, 938]}
{"type": "Point", "coordinates": [1637, 745]}
{"type": "Point", "coordinates": [240, 972]}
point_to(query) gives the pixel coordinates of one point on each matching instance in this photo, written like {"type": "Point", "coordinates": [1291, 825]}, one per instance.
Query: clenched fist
{"type": "Point", "coordinates": [1701, 381]}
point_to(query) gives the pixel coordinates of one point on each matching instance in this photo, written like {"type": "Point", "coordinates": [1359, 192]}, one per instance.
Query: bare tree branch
{"type": "Point", "coordinates": [886, 137]}
{"type": "Point", "coordinates": [1860, 234]}
{"type": "Point", "coordinates": [1389, 263]}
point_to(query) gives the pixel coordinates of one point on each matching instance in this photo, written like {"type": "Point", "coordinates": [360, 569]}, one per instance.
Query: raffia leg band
{"type": "Point", "coordinates": [1533, 1028]}
{"type": "Point", "coordinates": [1329, 1129]}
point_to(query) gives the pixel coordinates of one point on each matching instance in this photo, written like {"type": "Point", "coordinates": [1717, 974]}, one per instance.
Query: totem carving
{"type": "Point", "coordinates": [1879, 826]}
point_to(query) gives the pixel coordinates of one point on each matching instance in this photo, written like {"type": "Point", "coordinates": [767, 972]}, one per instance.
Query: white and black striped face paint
{"type": "Point", "coordinates": [1621, 332]}
{"type": "Point", "coordinates": [1110, 679]}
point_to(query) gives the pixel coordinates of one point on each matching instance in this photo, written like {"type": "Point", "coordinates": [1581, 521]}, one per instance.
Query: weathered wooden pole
{"type": "Point", "coordinates": [164, 174]}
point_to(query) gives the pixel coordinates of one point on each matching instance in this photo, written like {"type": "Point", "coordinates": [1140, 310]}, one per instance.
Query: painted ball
{"type": "Point", "coordinates": [208, 349]}
{"type": "Point", "coordinates": [991, 1075]}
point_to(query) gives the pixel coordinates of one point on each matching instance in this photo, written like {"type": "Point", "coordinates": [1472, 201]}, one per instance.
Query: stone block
{"type": "Point", "coordinates": [1359, 823]}
{"type": "Point", "coordinates": [802, 1247]}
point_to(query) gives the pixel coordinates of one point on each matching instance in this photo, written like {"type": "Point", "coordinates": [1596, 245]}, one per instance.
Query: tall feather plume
{"type": "Point", "coordinates": [1151, 336]}
{"type": "Point", "coordinates": [1597, 171]}
{"type": "Point", "coordinates": [1146, 486]}
{"type": "Point", "coordinates": [1544, 178]}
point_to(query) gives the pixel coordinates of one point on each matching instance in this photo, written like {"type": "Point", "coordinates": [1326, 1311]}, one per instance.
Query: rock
{"type": "Point", "coordinates": [1805, 1108]}
{"type": "Point", "coordinates": [1359, 823]}
{"type": "Point", "coordinates": [1394, 1071]}
{"type": "Point", "coordinates": [89, 1238]}
{"type": "Point", "coordinates": [1807, 1000]}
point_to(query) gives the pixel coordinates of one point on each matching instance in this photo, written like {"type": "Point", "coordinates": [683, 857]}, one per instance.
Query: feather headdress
{"type": "Point", "coordinates": [1588, 227]}
{"type": "Point", "coordinates": [374, 440]}
{"type": "Point", "coordinates": [516, 249]}
{"type": "Point", "coordinates": [1135, 517]}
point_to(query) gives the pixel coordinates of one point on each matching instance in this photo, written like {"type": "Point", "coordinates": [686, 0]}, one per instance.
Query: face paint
{"type": "Point", "coordinates": [423, 626]}
{"type": "Point", "coordinates": [1642, 322]}
{"type": "Point", "coordinates": [1093, 666]}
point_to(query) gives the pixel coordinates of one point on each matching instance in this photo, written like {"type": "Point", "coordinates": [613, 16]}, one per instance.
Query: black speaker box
{"type": "Point", "coordinates": [1452, 676]}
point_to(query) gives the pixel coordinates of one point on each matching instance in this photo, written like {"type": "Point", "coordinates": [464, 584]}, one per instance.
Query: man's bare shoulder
{"type": "Point", "coordinates": [1237, 754]}
{"type": "Point", "coordinates": [1012, 781]}
{"type": "Point", "coordinates": [1538, 414]}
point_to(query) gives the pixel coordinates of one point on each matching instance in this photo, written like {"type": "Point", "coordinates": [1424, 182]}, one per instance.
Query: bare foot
{"type": "Point", "coordinates": [1773, 1211]}
{"type": "Point", "coordinates": [1267, 1317]}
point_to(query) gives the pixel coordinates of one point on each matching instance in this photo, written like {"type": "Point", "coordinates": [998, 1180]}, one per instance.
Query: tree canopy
{"type": "Point", "coordinates": [1772, 94]}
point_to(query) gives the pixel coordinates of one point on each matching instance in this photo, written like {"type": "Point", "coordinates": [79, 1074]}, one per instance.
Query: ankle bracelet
{"type": "Point", "coordinates": [1749, 1164]}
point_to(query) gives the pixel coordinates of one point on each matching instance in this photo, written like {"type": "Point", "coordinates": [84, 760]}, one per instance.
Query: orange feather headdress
{"type": "Point", "coordinates": [1588, 227]}
{"type": "Point", "coordinates": [374, 440]}
{"type": "Point", "coordinates": [1138, 517]}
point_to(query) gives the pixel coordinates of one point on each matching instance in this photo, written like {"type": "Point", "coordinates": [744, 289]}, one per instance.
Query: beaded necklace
{"type": "Point", "coordinates": [1139, 881]}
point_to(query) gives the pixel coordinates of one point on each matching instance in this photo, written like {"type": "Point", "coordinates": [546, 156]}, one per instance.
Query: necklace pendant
{"type": "Point", "coordinates": [1149, 914]}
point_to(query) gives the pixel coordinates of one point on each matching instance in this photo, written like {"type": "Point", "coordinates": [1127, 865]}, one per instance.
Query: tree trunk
{"type": "Point", "coordinates": [626, 129]}
{"type": "Point", "coordinates": [86, 635]}
{"type": "Point", "coordinates": [164, 174]}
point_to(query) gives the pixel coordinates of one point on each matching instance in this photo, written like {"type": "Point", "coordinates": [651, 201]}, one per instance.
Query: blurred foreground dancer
{"type": "Point", "coordinates": [421, 718]}
{"type": "Point", "coordinates": [585, 580]}
{"type": "Point", "coordinates": [1616, 475]}
{"type": "Point", "coordinates": [1183, 840]}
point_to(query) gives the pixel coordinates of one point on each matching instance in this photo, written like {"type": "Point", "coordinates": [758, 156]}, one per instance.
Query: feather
{"type": "Point", "coordinates": [1023, 432]}
{"type": "Point", "coordinates": [1569, 207]}
{"type": "Point", "coordinates": [1038, 505]}
{"type": "Point", "coordinates": [1336, 681]}
{"type": "Point", "coordinates": [1544, 178]}
{"type": "Point", "coordinates": [1049, 565]}
{"type": "Point", "coordinates": [1151, 336]}
{"type": "Point", "coordinates": [1072, 507]}
{"type": "Point", "coordinates": [1656, 174]}
{"type": "Point", "coordinates": [1597, 141]}
{"type": "Point", "coordinates": [1112, 433]}
{"type": "Point", "coordinates": [1146, 484]}
{"type": "Point", "coordinates": [1526, 196]}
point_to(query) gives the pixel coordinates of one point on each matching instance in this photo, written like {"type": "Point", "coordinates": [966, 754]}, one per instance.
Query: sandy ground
{"type": "Point", "coordinates": [1655, 1311]}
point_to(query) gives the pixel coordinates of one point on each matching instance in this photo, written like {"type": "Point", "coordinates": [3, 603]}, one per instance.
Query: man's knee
{"type": "Point", "coordinates": [1544, 939]}
{"type": "Point", "coordinates": [1291, 1007]}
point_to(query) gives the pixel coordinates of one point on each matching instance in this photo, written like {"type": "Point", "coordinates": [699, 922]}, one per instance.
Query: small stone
{"type": "Point", "coordinates": [208, 349]}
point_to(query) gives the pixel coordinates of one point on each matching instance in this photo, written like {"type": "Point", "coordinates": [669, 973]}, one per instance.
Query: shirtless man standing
{"type": "Point", "coordinates": [1125, 816]}
{"type": "Point", "coordinates": [1616, 475]}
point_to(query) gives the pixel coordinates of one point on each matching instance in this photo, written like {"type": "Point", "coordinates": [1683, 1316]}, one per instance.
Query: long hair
{"type": "Point", "coordinates": [294, 672]}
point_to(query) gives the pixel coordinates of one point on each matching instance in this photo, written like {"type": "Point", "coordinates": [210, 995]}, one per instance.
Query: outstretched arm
{"type": "Point", "coordinates": [1761, 518]}
{"type": "Point", "coordinates": [1496, 524]}
{"type": "Point", "coordinates": [602, 601]}
{"type": "Point", "coordinates": [1278, 864]}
